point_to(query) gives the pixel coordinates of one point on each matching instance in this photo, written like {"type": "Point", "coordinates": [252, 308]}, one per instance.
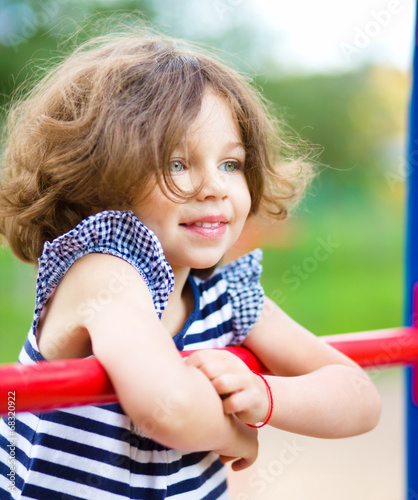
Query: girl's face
{"type": "Point", "coordinates": [198, 232]}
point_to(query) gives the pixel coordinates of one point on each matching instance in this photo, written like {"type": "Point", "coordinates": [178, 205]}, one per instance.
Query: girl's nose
{"type": "Point", "coordinates": [213, 185]}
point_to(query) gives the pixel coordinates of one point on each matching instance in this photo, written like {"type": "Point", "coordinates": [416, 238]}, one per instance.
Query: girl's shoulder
{"type": "Point", "coordinates": [117, 233]}
{"type": "Point", "coordinates": [241, 281]}
{"type": "Point", "coordinates": [243, 271]}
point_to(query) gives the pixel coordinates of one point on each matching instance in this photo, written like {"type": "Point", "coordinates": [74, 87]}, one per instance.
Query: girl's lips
{"type": "Point", "coordinates": [209, 230]}
{"type": "Point", "coordinates": [207, 218]}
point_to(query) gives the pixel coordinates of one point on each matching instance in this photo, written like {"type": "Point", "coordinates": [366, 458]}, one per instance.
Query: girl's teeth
{"type": "Point", "coordinates": [205, 224]}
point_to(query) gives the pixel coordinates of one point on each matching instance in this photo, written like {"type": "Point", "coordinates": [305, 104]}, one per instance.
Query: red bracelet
{"type": "Point", "coordinates": [271, 404]}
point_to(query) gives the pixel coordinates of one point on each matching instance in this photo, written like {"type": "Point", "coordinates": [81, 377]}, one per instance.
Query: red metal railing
{"type": "Point", "coordinates": [58, 384]}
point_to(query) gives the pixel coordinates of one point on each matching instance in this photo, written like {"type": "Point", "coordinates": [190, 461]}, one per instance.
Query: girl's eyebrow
{"type": "Point", "coordinates": [229, 146]}
{"type": "Point", "coordinates": [237, 147]}
{"type": "Point", "coordinates": [234, 145]}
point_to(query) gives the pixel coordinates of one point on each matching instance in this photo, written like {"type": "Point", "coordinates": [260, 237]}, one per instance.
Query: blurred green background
{"type": "Point", "coordinates": [336, 264]}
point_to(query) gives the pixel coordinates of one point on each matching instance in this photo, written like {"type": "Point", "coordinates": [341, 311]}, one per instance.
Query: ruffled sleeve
{"type": "Point", "coordinates": [110, 232]}
{"type": "Point", "coordinates": [245, 292]}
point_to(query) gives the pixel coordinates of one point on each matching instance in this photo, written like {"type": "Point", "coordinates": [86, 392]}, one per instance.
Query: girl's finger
{"type": "Point", "coordinates": [236, 403]}
{"type": "Point", "coordinates": [227, 384]}
{"type": "Point", "coordinates": [215, 369]}
{"type": "Point", "coordinates": [241, 464]}
{"type": "Point", "coordinates": [224, 459]}
{"type": "Point", "coordinates": [200, 357]}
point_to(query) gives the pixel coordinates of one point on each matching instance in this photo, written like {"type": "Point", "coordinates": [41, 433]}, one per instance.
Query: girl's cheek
{"type": "Point", "coordinates": [185, 182]}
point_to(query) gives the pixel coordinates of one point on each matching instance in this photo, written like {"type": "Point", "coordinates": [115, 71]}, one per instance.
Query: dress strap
{"type": "Point", "coordinates": [245, 292]}
{"type": "Point", "coordinates": [117, 233]}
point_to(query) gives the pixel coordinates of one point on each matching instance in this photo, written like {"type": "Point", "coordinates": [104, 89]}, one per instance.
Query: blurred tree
{"type": "Point", "coordinates": [32, 30]}
{"type": "Point", "coordinates": [355, 117]}
{"type": "Point", "coordinates": [37, 30]}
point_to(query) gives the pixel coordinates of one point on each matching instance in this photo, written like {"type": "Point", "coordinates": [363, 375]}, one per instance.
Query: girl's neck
{"type": "Point", "coordinates": [180, 302]}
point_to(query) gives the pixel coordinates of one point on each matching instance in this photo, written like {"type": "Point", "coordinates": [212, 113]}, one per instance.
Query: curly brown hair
{"type": "Point", "coordinates": [92, 133]}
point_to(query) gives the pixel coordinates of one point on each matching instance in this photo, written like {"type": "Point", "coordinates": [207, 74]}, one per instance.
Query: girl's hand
{"type": "Point", "coordinates": [244, 451]}
{"type": "Point", "coordinates": [243, 393]}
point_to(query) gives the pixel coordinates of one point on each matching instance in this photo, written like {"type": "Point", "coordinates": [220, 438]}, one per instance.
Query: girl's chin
{"type": "Point", "coordinates": [207, 265]}
{"type": "Point", "coordinates": [199, 264]}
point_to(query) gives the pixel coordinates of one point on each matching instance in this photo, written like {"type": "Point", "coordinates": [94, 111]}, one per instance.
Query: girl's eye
{"type": "Point", "coordinates": [176, 166]}
{"type": "Point", "coordinates": [230, 166]}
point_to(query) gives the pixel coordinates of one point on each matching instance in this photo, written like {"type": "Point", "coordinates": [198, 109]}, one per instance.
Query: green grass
{"type": "Point", "coordinates": [17, 299]}
{"type": "Point", "coordinates": [355, 286]}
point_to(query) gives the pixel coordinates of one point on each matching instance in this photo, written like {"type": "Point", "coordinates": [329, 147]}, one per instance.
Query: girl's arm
{"type": "Point", "coordinates": [317, 391]}
{"type": "Point", "coordinates": [171, 402]}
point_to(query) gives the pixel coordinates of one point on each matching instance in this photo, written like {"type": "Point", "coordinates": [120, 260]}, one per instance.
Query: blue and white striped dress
{"type": "Point", "coordinates": [94, 452]}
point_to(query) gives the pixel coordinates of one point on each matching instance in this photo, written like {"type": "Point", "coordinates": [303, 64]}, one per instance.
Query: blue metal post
{"type": "Point", "coordinates": [411, 277]}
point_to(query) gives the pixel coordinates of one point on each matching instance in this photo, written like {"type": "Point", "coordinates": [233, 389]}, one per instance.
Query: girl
{"type": "Point", "coordinates": [129, 171]}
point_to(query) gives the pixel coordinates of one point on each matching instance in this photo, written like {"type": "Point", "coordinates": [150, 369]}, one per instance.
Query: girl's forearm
{"type": "Point", "coordinates": [191, 418]}
{"type": "Point", "coordinates": [332, 402]}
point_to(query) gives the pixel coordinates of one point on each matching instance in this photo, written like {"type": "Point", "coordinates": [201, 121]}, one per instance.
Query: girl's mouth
{"type": "Point", "coordinates": [209, 230]}
{"type": "Point", "coordinates": [204, 224]}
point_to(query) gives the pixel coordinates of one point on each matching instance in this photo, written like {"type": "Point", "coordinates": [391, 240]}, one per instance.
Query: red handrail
{"type": "Point", "coordinates": [63, 383]}
{"type": "Point", "coordinates": [392, 346]}
{"type": "Point", "coordinates": [58, 384]}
